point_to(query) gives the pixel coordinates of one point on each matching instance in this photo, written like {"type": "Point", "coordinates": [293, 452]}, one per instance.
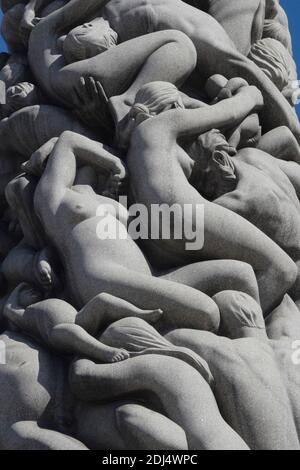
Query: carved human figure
{"type": "Point", "coordinates": [127, 274]}
{"type": "Point", "coordinates": [59, 326]}
{"type": "Point", "coordinates": [262, 189]}
{"type": "Point", "coordinates": [48, 414]}
{"type": "Point", "coordinates": [25, 131]}
{"type": "Point", "coordinates": [189, 403]}
{"type": "Point", "coordinates": [154, 150]}
{"type": "Point", "coordinates": [232, 14]}
{"type": "Point", "coordinates": [209, 277]}
{"type": "Point", "coordinates": [118, 67]}
{"type": "Point", "coordinates": [113, 68]}
{"type": "Point", "coordinates": [283, 329]}
{"type": "Point", "coordinates": [244, 361]}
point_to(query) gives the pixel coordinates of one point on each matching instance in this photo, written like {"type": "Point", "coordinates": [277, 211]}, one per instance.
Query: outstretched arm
{"type": "Point", "coordinates": [226, 114]}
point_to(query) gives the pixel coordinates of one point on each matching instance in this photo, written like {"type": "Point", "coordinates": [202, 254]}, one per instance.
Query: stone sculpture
{"type": "Point", "coordinates": [149, 226]}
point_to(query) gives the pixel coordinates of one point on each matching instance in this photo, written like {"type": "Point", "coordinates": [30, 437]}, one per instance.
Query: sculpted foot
{"type": "Point", "coordinates": [150, 316]}
{"type": "Point", "coordinates": [44, 273]}
{"type": "Point", "coordinates": [117, 355]}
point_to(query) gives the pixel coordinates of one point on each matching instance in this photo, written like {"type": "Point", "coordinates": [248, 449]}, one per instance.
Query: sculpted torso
{"type": "Point", "coordinates": [88, 260]}
{"type": "Point", "coordinates": [247, 386]}
{"type": "Point", "coordinates": [266, 197]}
{"type": "Point", "coordinates": [36, 399]}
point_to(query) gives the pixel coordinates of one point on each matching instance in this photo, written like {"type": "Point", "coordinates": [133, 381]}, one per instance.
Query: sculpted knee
{"type": "Point", "coordinates": [213, 317]}
{"type": "Point", "coordinates": [189, 49]}
{"type": "Point", "coordinates": [287, 273]}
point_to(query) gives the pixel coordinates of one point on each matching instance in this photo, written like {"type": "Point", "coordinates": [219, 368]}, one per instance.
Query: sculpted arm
{"type": "Point", "coordinates": [225, 114]}
{"type": "Point", "coordinates": [60, 171]}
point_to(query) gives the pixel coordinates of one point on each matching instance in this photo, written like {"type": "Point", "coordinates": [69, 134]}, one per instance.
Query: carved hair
{"type": "Point", "coordinates": [79, 46]}
{"type": "Point", "coordinates": [240, 309]}
{"type": "Point", "coordinates": [154, 97]}
{"type": "Point", "coordinates": [275, 30]}
{"type": "Point", "coordinates": [274, 60]}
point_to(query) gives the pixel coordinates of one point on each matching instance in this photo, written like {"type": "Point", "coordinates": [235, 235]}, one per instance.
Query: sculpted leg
{"type": "Point", "coordinates": [280, 143]}
{"type": "Point", "coordinates": [174, 44]}
{"type": "Point", "coordinates": [105, 309]}
{"type": "Point", "coordinates": [180, 304]}
{"type": "Point", "coordinates": [190, 404]}
{"type": "Point", "coordinates": [212, 277]}
{"type": "Point", "coordinates": [127, 426]}
{"type": "Point", "coordinates": [27, 435]}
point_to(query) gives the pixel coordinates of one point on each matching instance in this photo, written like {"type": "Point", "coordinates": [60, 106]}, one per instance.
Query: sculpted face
{"type": "Point", "coordinates": [22, 95]}
{"type": "Point", "coordinates": [202, 149]}
{"type": "Point", "coordinates": [21, 90]}
{"type": "Point", "coordinates": [89, 40]}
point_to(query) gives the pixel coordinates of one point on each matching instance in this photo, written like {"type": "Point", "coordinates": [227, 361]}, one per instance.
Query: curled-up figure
{"type": "Point", "coordinates": [56, 324]}
{"type": "Point", "coordinates": [49, 417]}
{"type": "Point", "coordinates": [74, 218]}
{"type": "Point", "coordinates": [262, 189]}
{"type": "Point", "coordinates": [155, 150]}
{"type": "Point", "coordinates": [130, 23]}
{"type": "Point", "coordinates": [243, 361]}
{"type": "Point", "coordinates": [92, 50]}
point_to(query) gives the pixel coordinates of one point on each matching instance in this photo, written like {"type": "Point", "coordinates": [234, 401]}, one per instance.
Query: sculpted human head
{"type": "Point", "coordinates": [274, 60]}
{"type": "Point", "coordinates": [89, 40]}
{"type": "Point", "coordinates": [153, 99]}
{"type": "Point", "coordinates": [22, 95]}
{"type": "Point", "coordinates": [238, 312]}
{"type": "Point", "coordinates": [203, 147]}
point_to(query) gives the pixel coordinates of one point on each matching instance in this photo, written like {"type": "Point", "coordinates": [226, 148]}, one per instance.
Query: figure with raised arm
{"type": "Point", "coordinates": [155, 149]}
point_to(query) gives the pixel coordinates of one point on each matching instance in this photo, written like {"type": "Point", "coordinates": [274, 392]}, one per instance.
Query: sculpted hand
{"type": "Point", "coordinates": [38, 160]}
{"type": "Point", "coordinates": [255, 94]}
{"type": "Point", "coordinates": [117, 181]}
{"type": "Point", "coordinates": [91, 103]}
{"type": "Point", "coordinates": [24, 295]}
{"type": "Point", "coordinates": [232, 87]}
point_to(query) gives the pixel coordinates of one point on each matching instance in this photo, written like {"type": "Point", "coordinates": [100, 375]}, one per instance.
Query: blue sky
{"type": "Point", "coordinates": [292, 7]}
